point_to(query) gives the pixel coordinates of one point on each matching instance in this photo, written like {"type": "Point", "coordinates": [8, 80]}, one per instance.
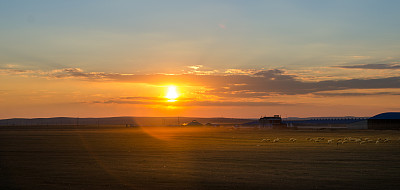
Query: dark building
{"type": "Point", "coordinates": [193, 123]}
{"type": "Point", "coordinates": [329, 123]}
{"type": "Point", "coordinates": [272, 122]}
{"type": "Point", "coordinates": [389, 120]}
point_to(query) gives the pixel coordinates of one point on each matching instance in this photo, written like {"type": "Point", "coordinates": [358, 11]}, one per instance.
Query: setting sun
{"type": "Point", "coordinates": [172, 94]}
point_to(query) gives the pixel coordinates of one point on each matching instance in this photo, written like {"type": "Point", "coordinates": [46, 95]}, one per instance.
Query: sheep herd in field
{"type": "Point", "coordinates": [337, 141]}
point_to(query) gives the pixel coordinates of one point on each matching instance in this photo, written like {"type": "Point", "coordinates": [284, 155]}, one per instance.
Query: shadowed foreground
{"type": "Point", "coordinates": [195, 158]}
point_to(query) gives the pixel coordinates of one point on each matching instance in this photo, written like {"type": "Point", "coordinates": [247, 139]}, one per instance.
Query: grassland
{"type": "Point", "coordinates": [195, 158]}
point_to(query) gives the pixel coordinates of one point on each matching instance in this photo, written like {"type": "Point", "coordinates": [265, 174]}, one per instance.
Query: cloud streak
{"type": "Point", "coordinates": [187, 103]}
{"type": "Point", "coordinates": [260, 84]}
{"type": "Point", "coordinates": [371, 66]}
{"type": "Point", "coordinates": [356, 94]}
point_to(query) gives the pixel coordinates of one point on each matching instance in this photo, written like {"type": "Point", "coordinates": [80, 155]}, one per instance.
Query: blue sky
{"type": "Point", "coordinates": [217, 34]}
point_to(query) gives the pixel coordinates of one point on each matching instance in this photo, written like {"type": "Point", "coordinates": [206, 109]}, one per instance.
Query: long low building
{"type": "Point", "coordinates": [383, 121]}
{"type": "Point", "coordinates": [389, 120]}
{"type": "Point", "coordinates": [330, 123]}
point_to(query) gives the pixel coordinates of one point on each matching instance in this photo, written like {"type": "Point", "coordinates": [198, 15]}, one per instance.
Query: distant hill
{"type": "Point", "coordinates": [139, 121]}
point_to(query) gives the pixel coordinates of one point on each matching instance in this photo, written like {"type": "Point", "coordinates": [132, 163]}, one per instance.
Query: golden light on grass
{"type": "Point", "coordinates": [172, 94]}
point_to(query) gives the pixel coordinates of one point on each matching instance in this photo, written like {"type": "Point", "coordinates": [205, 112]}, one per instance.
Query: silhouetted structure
{"type": "Point", "coordinates": [329, 122]}
{"type": "Point", "coordinates": [272, 122]}
{"type": "Point", "coordinates": [389, 120]}
{"type": "Point", "coordinates": [193, 123]}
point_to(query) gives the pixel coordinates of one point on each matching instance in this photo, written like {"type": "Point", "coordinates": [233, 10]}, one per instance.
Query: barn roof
{"type": "Point", "coordinates": [387, 115]}
{"type": "Point", "coordinates": [194, 123]}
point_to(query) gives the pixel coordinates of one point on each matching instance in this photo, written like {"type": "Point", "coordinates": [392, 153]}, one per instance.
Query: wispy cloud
{"type": "Point", "coordinates": [186, 102]}
{"type": "Point", "coordinates": [276, 82]}
{"type": "Point", "coordinates": [371, 66]}
{"type": "Point", "coordinates": [11, 69]}
{"type": "Point", "coordinates": [356, 94]}
{"type": "Point", "coordinates": [246, 84]}
{"type": "Point", "coordinates": [76, 73]}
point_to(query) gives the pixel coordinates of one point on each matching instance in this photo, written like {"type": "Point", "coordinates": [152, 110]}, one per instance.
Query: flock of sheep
{"type": "Point", "coordinates": [332, 140]}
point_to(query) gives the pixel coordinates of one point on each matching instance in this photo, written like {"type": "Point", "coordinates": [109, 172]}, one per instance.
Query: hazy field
{"type": "Point", "coordinates": [195, 158]}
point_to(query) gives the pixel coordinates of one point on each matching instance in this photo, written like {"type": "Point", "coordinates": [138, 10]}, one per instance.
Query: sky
{"type": "Point", "coordinates": [241, 59]}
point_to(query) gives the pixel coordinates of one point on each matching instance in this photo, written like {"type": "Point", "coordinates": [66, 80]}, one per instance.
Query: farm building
{"type": "Point", "coordinates": [193, 123]}
{"type": "Point", "coordinates": [358, 124]}
{"type": "Point", "coordinates": [389, 120]}
{"type": "Point", "coordinates": [272, 122]}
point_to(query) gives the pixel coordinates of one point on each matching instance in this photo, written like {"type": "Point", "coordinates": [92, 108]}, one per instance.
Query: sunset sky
{"type": "Point", "coordinates": [225, 58]}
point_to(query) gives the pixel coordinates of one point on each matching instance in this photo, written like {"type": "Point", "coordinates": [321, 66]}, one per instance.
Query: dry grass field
{"type": "Point", "coordinates": [197, 158]}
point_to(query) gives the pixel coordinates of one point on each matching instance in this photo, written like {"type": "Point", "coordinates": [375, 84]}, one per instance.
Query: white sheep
{"type": "Point", "coordinates": [265, 140]}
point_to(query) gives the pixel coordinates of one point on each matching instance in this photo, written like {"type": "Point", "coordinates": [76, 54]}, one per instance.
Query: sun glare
{"type": "Point", "coordinates": [172, 94]}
